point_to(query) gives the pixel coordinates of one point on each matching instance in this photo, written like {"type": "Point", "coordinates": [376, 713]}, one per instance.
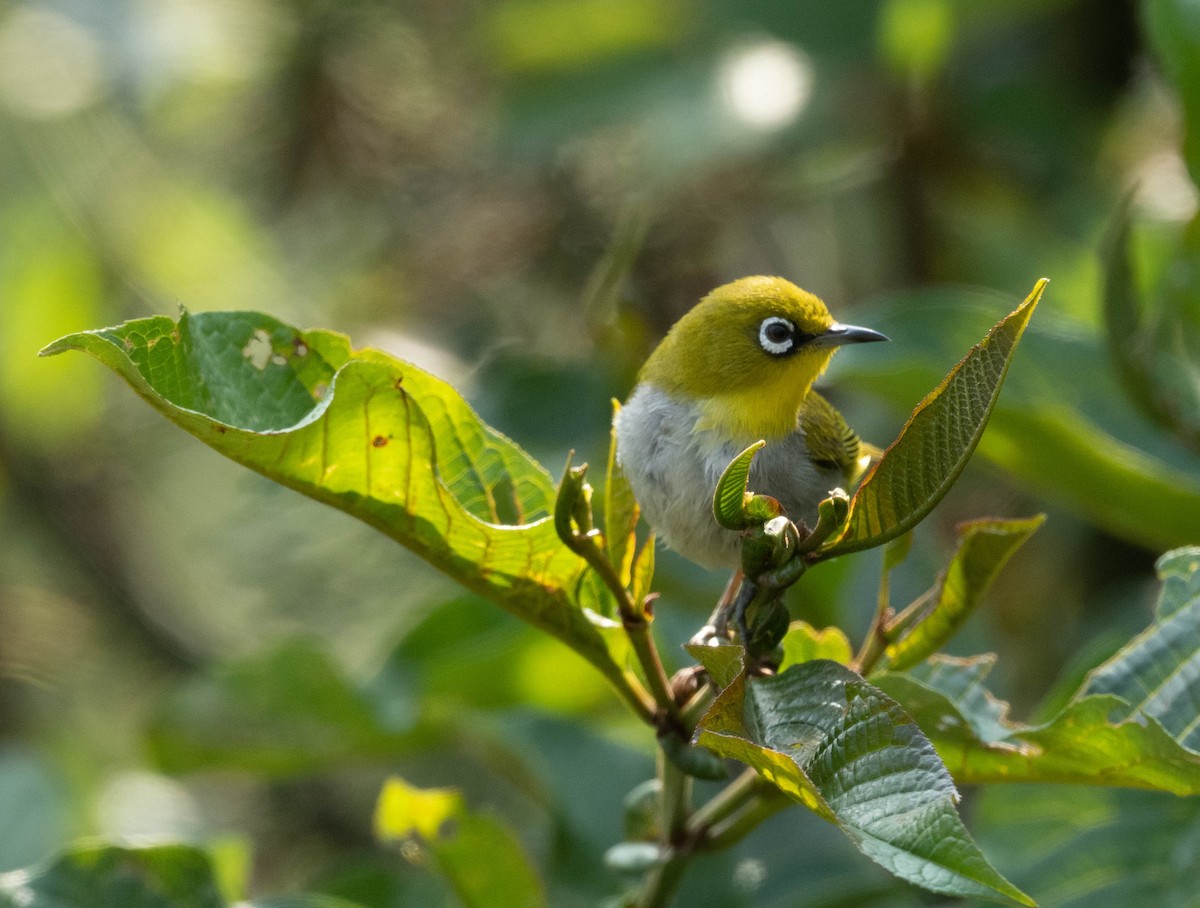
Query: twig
{"type": "Point", "coordinates": [585, 542]}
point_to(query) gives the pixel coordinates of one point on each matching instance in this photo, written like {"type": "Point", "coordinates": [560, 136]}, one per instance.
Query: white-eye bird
{"type": "Point", "coordinates": [737, 368]}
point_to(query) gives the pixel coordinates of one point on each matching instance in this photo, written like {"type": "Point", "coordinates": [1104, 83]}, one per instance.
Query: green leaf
{"type": "Point", "coordinates": [936, 442]}
{"type": "Point", "coordinates": [767, 625]}
{"type": "Point", "coordinates": [480, 857]}
{"type": "Point", "coordinates": [1081, 745]}
{"type": "Point", "coordinates": [116, 876]}
{"type": "Point", "coordinates": [621, 511]}
{"type": "Point", "coordinates": [1158, 673]}
{"type": "Point", "coordinates": [642, 575]}
{"type": "Point", "coordinates": [573, 506]}
{"type": "Point", "coordinates": [724, 663]}
{"type": "Point", "coordinates": [729, 499]}
{"type": "Point", "coordinates": [371, 435]}
{"type": "Point", "coordinates": [692, 759]}
{"type": "Point", "coordinates": [109, 876]}
{"type": "Point", "coordinates": [1059, 437]}
{"type": "Point", "coordinates": [1155, 343]}
{"type": "Point", "coordinates": [896, 551]}
{"type": "Point", "coordinates": [804, 643]}
{"type": "Point", "coordinates": [300, 900]}
{"type": "Point", "coordinates": [1173, 27]}
{"type": "Point", "coordinates": [1063, 455]}
{"type": "Point", "coordinates": [487, 866]}
{"type": "Point", "coordinates": [838, 745]}
{"type": "Point", "coordinates": [281, 713]}
{"type": "Point", "coordinates": [984, 547]}
{"type": "Point", "coordinates": [1094, 848]}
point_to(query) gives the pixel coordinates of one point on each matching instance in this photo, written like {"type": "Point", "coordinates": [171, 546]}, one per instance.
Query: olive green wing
{"type": "Point", "coordinates": [832, 444]}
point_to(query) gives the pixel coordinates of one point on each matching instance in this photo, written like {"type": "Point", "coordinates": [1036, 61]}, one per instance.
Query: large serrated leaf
{"type": "Point", "coordinates": [845, 750]}
{"type": "Point", "coordinates": [936, 442]}
{"type": "Point", "coordinates": [984, 546]}
{"type": "Point", "coordinates": [1082, 745]}
{"type": "Point", "coordinates": [371, 435]}
{"type": "Point", "coordinates": [1059, 437]}
{"type": "Point", "coordinates": [1158, 673]}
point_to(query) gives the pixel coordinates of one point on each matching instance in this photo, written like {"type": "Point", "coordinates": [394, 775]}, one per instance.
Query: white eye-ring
{"type": "Point", "coordinates": [776, 335]}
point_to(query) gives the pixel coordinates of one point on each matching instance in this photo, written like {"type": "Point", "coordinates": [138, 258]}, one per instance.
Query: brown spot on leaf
{"type": "Point", "coordinates": [379, 441]}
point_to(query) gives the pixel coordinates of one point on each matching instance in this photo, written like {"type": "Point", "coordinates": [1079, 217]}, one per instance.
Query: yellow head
{"type": "Point", "coordinates": [749, 353]}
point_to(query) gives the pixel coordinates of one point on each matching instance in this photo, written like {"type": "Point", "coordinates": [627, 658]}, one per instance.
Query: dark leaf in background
{"type": "Point", "coordinates": [1154, 338]}
{"type": "Point", "coordinates": [108, 876]}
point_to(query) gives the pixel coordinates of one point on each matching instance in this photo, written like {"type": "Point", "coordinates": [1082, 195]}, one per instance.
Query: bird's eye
{"type": "Point", "coordinates": [776, 335]}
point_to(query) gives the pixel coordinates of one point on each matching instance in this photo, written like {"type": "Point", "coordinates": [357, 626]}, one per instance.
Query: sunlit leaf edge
{"type": "Point", "coordinates": [952, 606]}
{"type": "Point", "coordinates": [852, 538]}
{"type": "Point", "coordinates": [729, 496]}
{"type": "Point", "coordinates": [547, 596]}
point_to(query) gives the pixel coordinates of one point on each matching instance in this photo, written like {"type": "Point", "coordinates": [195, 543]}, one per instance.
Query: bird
{"type": "Point", "coordinates": [739, 367]}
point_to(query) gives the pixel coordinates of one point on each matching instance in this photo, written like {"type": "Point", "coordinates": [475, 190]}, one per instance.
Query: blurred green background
{"type": "Point", "coordinates": [521, 195]}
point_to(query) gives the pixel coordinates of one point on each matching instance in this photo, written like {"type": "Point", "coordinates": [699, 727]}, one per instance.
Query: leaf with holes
{"type": "Point", "coordinates": [848, 752]}
{"type": "Point", "coordinates": [372, 435]}
{"type": "Point", "coordinates": [935, 444]}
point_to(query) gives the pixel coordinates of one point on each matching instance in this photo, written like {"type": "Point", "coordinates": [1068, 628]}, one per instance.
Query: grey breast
{"type": "Point", "coordinates": [674, 471]}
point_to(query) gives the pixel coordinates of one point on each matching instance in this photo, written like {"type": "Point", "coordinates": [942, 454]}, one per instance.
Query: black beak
{"type": "Point", "coordinates": [838, 334]}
